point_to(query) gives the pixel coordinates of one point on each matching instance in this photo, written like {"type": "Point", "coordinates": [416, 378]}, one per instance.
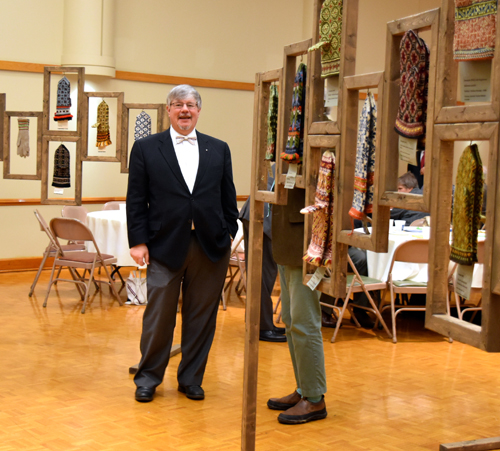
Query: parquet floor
{"type": "Point", "coordinates": [65, 384]}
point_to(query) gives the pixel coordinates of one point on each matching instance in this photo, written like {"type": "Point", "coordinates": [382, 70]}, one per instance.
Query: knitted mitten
{"type": "Point", "coordinates": [467, 207]}
{"type": "Point", "coordinates": [142, 125]}
{"type": "Point", "coordinates": [23, 138]}
{"type": "Point", "coordinates": [319, 252]}
{"type": "Point", "coordinates": [102, 125]}
{"type": "Point", "coordinates": [295, 142]}
{"type": "Point", "coordinates": [272, 124]}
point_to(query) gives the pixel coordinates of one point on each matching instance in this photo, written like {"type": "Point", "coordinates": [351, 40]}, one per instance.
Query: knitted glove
{"type": "Point", "coordinates": [23, 139]}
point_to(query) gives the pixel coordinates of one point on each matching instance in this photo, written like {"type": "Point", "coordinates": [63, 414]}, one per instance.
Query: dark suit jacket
{"type": "Point", "coordinates": [288, 229]}
{"type": "Point", "coordinates": [160, 207]}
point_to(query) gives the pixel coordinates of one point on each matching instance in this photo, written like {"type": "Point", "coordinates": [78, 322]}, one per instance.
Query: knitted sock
{"type": "Point", "coordinates": [315, 398]}
{"type": "Point", "coordinates": [299, 391]}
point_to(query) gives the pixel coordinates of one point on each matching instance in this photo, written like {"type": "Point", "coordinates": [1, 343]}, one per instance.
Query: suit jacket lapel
{"type": "Point", "coordinates": [168, 152]}
{"type": "Point", "coordinates": [205, 155]}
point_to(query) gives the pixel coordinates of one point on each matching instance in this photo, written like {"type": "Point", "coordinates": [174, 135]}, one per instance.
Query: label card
{"type": "Point", "coordinates": [464, 280]}
{"type": "Point", "coordinates": [408, 149]}
{"type": "Point", "coordinates": [291, 175]}
{"type": "Point", "coordinates": [316, 278]}
{"type": "Point", "coordinates": [58, 190]}
{"type": "Point", "coordinates": [475, 81]}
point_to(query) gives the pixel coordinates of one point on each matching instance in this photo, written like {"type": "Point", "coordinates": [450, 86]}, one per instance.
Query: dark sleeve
{"type": "Point", "coordinates": [228, 194]}
{"type": "Point", "coordinates": [137, 197]}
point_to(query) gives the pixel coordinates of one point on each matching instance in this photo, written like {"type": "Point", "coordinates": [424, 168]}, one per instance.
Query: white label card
{"type": "Point", "coordinates": [464, 280]}
{"type": "Point", "coordinates": [408, 150]}
{"type": "Point", "coordinates": [475, 81]}
{"type": "Point", "coordinates": [58, 190]}
{"type": "Point", "coordinates": [316, 278]}
{"type": "Point", "coordinates": [291, 176]}
{"type": "Point", "coordinates": [332, 92]}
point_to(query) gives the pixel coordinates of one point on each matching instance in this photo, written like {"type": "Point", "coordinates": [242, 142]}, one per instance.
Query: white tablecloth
{"type": "Point", "coordinates": [380, 262]}
{"type": "Point", "coordinates": [110, 232]}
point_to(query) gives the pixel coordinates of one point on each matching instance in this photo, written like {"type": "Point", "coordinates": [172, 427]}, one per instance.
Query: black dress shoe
{"type": "Point", "coordinates": [192, 392]}
{"type": "Point", "coordinates": [279, 330]}
{"type": "Point", "coordinates": [364, 319]}
{"type": "Point", "coordinates": [327, 320]}
{"type": "Point", "coordinates": [270, 335]}
{"type": "Point", "coordinates": [144, 394]}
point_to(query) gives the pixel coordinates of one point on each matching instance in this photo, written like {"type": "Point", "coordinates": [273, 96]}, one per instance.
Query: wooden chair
{"type": "Point", "coordinates": [356, 284]}
{"type": "Point", "coordinates": [51, 249]}
{"type": "Point", "coordinates": [413, 251]}
{"type": "Point", "coordinates": [113, 205]}
{"type": "Point", "coordinates": [463, 305]}
{"type": "Point", "coordinates": [73, 230]}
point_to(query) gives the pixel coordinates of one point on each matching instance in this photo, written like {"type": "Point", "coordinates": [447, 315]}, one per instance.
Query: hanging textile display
{"type": "Point", "coordinates": [330, 34]}
{"type": "Point", "coordinates": [61, 177]}
{"type": "Point", "coordinates": [319, 252]}
{"type": "Point", "coordinates": [362, 201]}
{"type": "Point", "coordinates": [467, 207]}
{"type": "Point", "coordinates": [475, 29]}
{"type": "Point", "coordinates": [272, 123]}
{"type": "Point", "coordinates": [295, 142]}
{"type": "Point", "coordinates": [142, 125]}
{"type": "Point", "coordinates": [102, 125]}
{"type": "Point", "coordinates": [414, 72]}
{"type": "Point", "coordinates": [23, 138]}
{"type": "Point", "coordinates": [63, 101]}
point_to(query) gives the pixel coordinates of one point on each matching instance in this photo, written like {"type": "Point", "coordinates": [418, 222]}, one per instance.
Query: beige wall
{"type": "Point", "coordinates": [218, 39]}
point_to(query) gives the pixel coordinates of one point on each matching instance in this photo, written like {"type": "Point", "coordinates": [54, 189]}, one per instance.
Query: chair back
{"type": "Point", "coordinates": [413, 251]}
{"type": "Point", "coordinates": [76, 212]}
{"type": "Point", "coordinates": [72, 230]}
{"type": "Point", "coordinates": [113, 205]}
{"type": "Point", "coordinates": [480, 252]}
{"type": "Point", "coordinates": [45, 228]}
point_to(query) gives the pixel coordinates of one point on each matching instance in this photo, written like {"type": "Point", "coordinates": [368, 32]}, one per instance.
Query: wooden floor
{"type": "Point", "coordinates": [65, 384]}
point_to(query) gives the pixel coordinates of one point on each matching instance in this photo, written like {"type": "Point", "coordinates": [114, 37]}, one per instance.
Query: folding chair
{"type": "Point", "coordinates": [113, 205]}
{"type": "Point", "coordinates": [236, 266]}
{"type": "Point", "coordinates": [76, 212]}
{"type": "Point", "coordinates": [413, 251]}
{"type": "Point", "coordinates": [74, 230]}
{"type": "Point", "coordinates": [462, 304]}
{"type": "Point", "coordinates": [51, 249]}
{"type": "Point", "coordinates": [356, 284]}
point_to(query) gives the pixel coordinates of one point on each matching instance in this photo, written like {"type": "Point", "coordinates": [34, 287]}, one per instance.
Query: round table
{"type": "Point", "coordinates": [110, 232]}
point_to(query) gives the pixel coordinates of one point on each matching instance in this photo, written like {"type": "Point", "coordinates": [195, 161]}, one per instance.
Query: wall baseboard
{"type": "Point", "coordinates": [23, 264]}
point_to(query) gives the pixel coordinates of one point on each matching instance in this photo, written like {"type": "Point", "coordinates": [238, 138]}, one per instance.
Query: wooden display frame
{"type": "Point", "coordinates": [389, 196]}
{"type": "Point", "coordinates": [162, 123]}
{"type": "Point", "coordinates": [45, 171]}
{"type": "Point", "coordinates": [447, 110]}
{"type": "Point", "coordinates": [335, 284]}
{"type": "Point", "coordinates": [291, 53]}
{"type": "Point", "coordinates": [81, 110]}
{"type": "Point", "coordinates": [263, 83]}
{"type": "Point", "coordinates": [317, 126]}
{"type": "Point", "coordinates": [378, 240]}
{"type": "Point", "coordinates": [2, 117]}
{"type": "Point", "coordinates": [487, 336]}
{"type": "Point", "coordinates": [119, 96]}
{"type": "Point", "coordinates": [6, 145]}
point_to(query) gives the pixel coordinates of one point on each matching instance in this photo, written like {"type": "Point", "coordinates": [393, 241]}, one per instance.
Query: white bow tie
{"type": "Point", "coordinates": [190, 139]}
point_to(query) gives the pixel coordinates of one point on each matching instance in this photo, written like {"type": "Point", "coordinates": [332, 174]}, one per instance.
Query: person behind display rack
{"type": "Point", "coordinates": [407, 183]}
{"type": "Point", "coordinates": [181, 215]}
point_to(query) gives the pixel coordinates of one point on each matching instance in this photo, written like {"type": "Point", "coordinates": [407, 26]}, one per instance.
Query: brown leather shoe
{"type": "Point", "coordinates": [284, 403]}
{"type": "Point", "coordinates": [303, 412]}
{"type": "Point", "coordinates": [327, 320]}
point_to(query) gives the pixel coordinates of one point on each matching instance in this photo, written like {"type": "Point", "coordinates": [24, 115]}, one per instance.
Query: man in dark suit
{"type": "Point", "coordinates": [181, 215]}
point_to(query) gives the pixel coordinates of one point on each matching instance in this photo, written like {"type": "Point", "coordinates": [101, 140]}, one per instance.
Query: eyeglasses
{"type": "Point", "coordinates": [179, 106]}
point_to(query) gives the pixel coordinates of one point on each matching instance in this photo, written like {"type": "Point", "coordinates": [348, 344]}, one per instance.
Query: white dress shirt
{"type": "Point", "coordinates": [188, 157]}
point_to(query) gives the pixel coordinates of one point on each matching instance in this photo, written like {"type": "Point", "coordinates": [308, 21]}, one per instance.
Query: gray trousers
{"type": "Point", "coordinates": [301, 314]}
{"type": "Point", "coordinates": [202, 281]}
